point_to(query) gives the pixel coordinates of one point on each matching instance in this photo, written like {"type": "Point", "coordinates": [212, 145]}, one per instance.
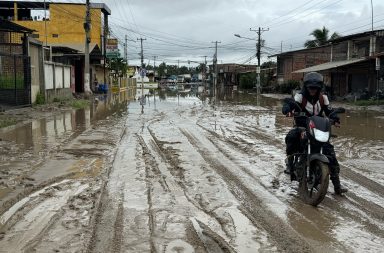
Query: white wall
{"type": "Point", "coordinates": [67, 77]}
{"type": "Point", "coordinates": [57, 76]}
{"type": "Point", "coordinates": [48, 74]}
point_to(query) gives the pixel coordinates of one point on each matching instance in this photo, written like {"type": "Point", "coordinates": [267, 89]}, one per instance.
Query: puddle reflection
{"type": "Point", "coordinates": [41, 134]}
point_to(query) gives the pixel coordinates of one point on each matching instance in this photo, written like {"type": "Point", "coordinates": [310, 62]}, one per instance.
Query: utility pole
{"type": "Point", "coordinates": [204, 72]}
{"type": "Point", "coordinates": [105, 37]}
{"type": "Point", "coordinates": [45, 24]}
{"type": "Point", "coordinates": [154, 67]}
{"type": "Point", "coordinates": [215, 68]}
{"type": "Point", "coordinates": [125, 49]}
{"type": "Point", "coordinates": [142, 74]}
{"type": "Point", "coordinates": [154, 79]}
{"type": "Point", "coordinates": [87, 28]}
{"type": "Point", "coordinates": [372, 15]}
{"type": "Point", "coordinates": [281, 47]}
{"type": "Point", "coordinates": [258, 55]}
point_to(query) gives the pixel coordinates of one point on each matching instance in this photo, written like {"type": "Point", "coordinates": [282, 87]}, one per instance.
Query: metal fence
{"type": "Point", "coordinates": [15, 80]}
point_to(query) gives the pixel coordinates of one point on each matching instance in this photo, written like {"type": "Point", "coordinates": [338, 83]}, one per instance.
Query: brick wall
{"type": "Point", "coordinates": [290, 62]}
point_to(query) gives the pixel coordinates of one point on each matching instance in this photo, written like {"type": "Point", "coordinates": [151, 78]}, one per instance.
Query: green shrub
{"type": "Point", "coordinates": [40, 99]}
{"type": "Point", "coordinates": [368, 102]}
{"type": "Point", "coordinates": [7, 122]}
{"type": "Point", "coordinates": [80, 103]}
{"type": "Point", "coordinates": [248, 81]}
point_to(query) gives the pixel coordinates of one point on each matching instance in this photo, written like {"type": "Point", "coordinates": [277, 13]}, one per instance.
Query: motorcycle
{"type": "Point", "coordinates": [310, 165]}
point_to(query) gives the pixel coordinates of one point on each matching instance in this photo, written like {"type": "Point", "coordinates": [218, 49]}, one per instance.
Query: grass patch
{"type": "Point", "coordinates": [80, 103]}
{"type": "Point", "coordinates": [40, 99]}
{"type": "Point", "coordinates": [8, 82]}
{"type": "Point", "coordinates": [7, 122]}
{"type": "Point", "coordinates": [368, 102]}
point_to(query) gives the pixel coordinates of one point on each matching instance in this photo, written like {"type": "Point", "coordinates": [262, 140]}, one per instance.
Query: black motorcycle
{"type": "Point", "coordinates": [310, 165]}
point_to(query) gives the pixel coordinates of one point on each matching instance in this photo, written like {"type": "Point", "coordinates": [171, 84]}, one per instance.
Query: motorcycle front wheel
{"type": "Point", "coordinates": [314, 186]}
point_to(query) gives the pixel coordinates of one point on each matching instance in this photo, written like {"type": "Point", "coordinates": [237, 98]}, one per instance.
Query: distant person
{"type": "Point", "coordinates": [314, 103]}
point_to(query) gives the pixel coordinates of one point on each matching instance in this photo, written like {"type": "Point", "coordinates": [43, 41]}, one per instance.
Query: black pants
{"type": "Point", "coordinates": [292, 140]}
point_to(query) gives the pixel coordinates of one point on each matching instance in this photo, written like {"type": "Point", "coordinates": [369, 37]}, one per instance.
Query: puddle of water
{"type": "Point", "coordinates": [366, 125]}
{"type": "Point", "coordinates": [40, 135]}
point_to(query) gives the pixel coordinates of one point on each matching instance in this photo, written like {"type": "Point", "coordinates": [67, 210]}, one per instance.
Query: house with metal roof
{"type": "Point", "coordinates": [349, 64]}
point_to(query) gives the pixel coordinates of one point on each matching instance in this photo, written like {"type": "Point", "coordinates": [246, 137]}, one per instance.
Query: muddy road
{"type": "Point", "coordinates": [186, 176]}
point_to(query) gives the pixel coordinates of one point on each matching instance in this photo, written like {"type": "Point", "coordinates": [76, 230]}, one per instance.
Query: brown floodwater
{"type": "Point", "coordinates": [40, 134]}
{"type": "Point", "coordinates": [359, 124]}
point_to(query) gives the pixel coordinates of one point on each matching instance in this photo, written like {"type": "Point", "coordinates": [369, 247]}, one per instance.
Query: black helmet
{"type": "Point", "coordinates": [313, 80]}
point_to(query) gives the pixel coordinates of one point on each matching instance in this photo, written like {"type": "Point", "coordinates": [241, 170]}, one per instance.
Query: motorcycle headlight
{"type": "Point", "coordinates": [320, 135]}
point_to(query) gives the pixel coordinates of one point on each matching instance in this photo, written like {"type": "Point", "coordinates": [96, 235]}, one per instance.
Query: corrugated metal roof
{"type": "Point", "coordinates": [80, 47]}
{"type": "Point", "coordinates": [330, 65]}
{"type": "Point", "coordinates": [9, 26]}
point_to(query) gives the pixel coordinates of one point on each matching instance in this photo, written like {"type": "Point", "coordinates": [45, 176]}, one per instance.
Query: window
{"type": "Point", "coordinates": [35, 35]}
{"type": "Point", "coordinates": [55, 35]}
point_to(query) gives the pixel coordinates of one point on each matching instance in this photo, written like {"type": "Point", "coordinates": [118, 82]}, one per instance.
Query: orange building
{"type": "Point", "coordinates": [60, 26]}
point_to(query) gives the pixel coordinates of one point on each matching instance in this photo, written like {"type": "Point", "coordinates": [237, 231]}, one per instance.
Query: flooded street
{"type": "Point", "coordinates": [187, 175]}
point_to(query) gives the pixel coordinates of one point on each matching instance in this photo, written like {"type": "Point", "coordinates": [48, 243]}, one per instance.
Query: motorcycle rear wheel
{"type": "Point", "coordinates": [313, 188]}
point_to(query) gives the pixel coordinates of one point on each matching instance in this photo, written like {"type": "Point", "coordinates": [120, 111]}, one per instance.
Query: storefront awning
{"type": "Point", "coordinates": [330, 65]}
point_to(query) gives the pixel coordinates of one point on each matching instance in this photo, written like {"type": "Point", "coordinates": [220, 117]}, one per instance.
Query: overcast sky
{"type": "Point", "coordinates": [181, 29]}
{"type": "Point", "coordinates": [184, 29]}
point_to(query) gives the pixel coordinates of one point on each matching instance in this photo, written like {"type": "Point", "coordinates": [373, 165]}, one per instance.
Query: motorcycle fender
{"type": "Point", "coordinates": [320, 157]}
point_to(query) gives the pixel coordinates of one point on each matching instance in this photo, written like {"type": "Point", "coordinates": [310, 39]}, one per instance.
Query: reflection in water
{"type": "Point", "coordinates": [39, 135]}
{"type": "Point", "coordinates": [367, 125]}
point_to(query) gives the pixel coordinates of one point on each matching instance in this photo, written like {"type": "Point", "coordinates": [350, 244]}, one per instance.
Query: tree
{"type": "Point", "coordinates": [248, 80]}
{"type": "Point", "coordinates": [268, 64]}
{"type": "Point", "coordinates": [162, 69]}
{"type": "Point", "coordinates": [321, 38]}
{"type": "Point", "coordinates": [118, 68]}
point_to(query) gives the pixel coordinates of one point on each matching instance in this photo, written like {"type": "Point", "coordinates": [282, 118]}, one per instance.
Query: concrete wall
{"type": "Point", "coordinates": [37, 73]}
{"type": "Point", "coordinates": [57, 81]}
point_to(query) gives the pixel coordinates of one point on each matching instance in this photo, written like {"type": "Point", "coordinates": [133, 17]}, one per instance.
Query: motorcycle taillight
{"type": "Point", "coordinates": [311, 124]}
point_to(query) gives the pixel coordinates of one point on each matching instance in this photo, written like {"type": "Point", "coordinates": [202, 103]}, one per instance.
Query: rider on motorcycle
{"type": "Point", "coordinates": [313, 102]}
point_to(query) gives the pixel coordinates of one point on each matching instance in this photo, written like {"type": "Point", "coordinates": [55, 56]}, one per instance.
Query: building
{"type": "Point", "coordinates": [59, 26]}
{"type": "Point", "coordinates": [347, 63]}
{"type": "Point", "coordinates": [21, 65]}
{"type": "Point", "coordinates": [229, 75]}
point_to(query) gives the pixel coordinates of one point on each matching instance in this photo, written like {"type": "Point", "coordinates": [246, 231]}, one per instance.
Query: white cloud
{"type": "Point", "coordinates": [167, 24]}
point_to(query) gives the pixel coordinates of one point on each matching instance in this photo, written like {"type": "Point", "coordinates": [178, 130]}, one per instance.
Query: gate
{"type": "Point", "coordinates": [15, 67]}
{"type": "Point", "coordinates": [15, 80]}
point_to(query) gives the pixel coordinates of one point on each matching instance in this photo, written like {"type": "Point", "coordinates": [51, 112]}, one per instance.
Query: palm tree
{"type": "Point", "coordinates": [321, 38]}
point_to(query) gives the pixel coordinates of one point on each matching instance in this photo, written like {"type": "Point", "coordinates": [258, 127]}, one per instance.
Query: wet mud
{"type": "Point", "coordinates": [187, 175]}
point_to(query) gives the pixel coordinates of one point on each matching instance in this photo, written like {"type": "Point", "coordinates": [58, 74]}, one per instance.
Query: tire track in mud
{"type": "Point", "coordinates": [284, 236]}
{"type": "Point", "coordinates": [151, 213]}
{"type": "Point", "coordinates": [346, 172]}
{"type": "Point", "coordinates": [374, 210]}
{"type": "Point", "coordinates": [43, 212]}
{"type": "Point", "coordinates": [117, 238]}
{"type": "Point", "coordinates": [211, 241]}
{"type": "Point", "coordinates": [102, 205]}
